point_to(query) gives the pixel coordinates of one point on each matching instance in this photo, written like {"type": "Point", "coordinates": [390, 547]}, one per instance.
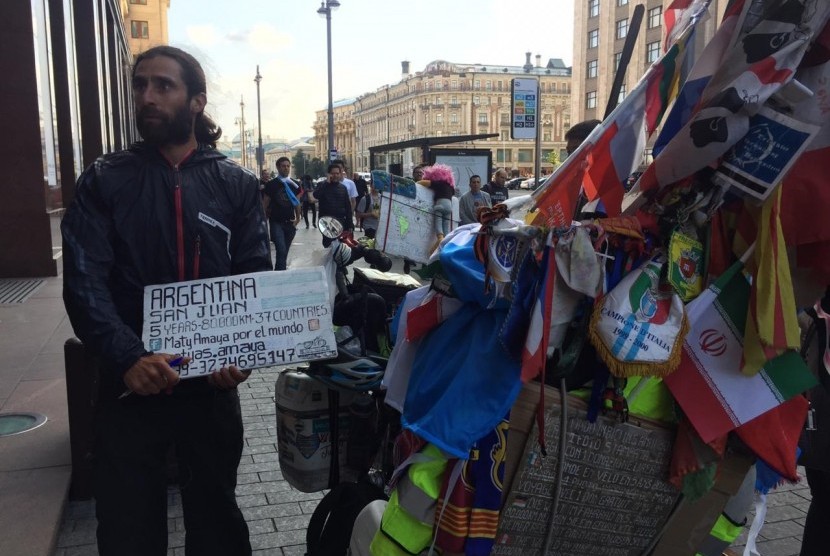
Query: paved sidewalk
{"type": "Point", "coordinates": [35, 467]}
{"type": "Point", "coordinates": [277, 514]}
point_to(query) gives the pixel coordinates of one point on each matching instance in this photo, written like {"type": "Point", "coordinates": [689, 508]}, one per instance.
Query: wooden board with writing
{"type": "Point", "coordinates": [614, 498]}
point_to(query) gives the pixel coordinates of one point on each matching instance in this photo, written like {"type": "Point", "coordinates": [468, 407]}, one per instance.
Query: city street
{"type": "Point", "coordinates": [35, 465]}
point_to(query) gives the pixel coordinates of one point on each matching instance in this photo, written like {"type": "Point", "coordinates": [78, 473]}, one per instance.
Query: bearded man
{"type": "Point", "coordinates": [168, 209]}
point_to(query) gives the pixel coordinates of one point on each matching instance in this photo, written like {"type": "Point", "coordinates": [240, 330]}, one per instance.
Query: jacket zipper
{"type": "Point", "coordinates": [179, 224]}
{"type": "Point", "coordinates": [196, 256]}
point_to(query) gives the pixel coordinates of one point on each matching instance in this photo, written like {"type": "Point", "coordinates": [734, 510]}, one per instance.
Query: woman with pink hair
{"type": "Point", "coordinates": [442, 183]}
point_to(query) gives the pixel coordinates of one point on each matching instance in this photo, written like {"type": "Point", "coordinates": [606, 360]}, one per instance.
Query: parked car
{"type": "Point", "coordinates": [528, 183]}
{"type": "Point", "coordinates": [513, 183]}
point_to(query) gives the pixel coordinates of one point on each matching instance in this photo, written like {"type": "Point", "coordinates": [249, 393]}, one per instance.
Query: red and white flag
{"type": "Point", "coordinates": [708, 384]}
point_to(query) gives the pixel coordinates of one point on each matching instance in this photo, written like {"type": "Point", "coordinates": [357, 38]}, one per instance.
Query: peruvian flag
{"type": "Point", "coordinates": [708, 384]}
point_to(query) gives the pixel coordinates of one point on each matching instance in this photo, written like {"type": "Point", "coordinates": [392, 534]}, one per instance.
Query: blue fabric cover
{"type": "Point", "coordinates": [463, 381]}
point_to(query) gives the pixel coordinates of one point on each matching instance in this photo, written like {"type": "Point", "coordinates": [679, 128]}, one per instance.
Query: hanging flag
{"type": "Point", "coordinates": [772, 324]}
{"type": "Point", "coordinates": [762, 57]}
{"type": "Point", "coordinates": [708, 384]}
{"type": "Point", "coordinates": [534, 354]}
{"type": "Point", "coordinates": [698, 76]}
{"type": "Point", "coordinates": [773, 436]}
{"type": "Point", "coordinates": [556, 200]}
{"type": "Point", "coordinates": [677, 14]}
{"type": "Point", "coordinates": [614, 149]}
{"type": "Point", "coordinates": [805, 196]}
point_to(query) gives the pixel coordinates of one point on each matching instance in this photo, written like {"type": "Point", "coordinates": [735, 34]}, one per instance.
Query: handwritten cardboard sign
{"type": "Point", "coordinates": [251, 320]}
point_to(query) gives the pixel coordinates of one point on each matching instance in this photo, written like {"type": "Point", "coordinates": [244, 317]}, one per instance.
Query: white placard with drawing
{"type": "Point", "coordinates": [406, 226]}
{"type": "Point", "coordinates": [260, 319]}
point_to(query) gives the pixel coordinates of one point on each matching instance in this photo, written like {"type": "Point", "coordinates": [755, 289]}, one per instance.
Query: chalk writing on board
{"type": "Point", "coordinates": [614, 497]}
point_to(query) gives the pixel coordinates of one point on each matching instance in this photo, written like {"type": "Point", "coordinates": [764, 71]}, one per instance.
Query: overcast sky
{"type": "Point", "coordinates": [370, 38]}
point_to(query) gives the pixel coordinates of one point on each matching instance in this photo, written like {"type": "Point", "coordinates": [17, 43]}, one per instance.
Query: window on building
{"type": "Point", "coordinates": [439, 118]}
{"type": "Point", "coordinates": [546, 137]}
{"type": "Point", "coordinates": [499, 85]}
{"type": "Point", "coordinates": [454, 85]}
{"type": "Point", "coordinates": [525, 155]}
{"type": "Point", "coordinates": [655, 17]}
{"type": "Point", "coordinates": [591, 69]}
{"type": "Point", "coordinates": [504, 155]}
{"type": "Point", "coordinates": [438, 85]}
{"type": "Point", "coordinates": [476, 100]}
{"type": "Point", "coordinates": [591, 100]}
{"type": "Point", "coordinates": [477, 85]}
{"type": "Point", "coordinates": [453, 117]}
{"type": "Point", "coordinates": [652, 51]}
{"type": "Point", "coordinates": [439, 101]}
{"type": "Point", "coordinates": [504, 118]}
{"type": "Point", "coordinates": [488, 85]}
{"type": "Point", "coordinates": [429, 85]}
{"type": "Point", "coordinates": [617, 58]}
{"type": "Point", "coordinates": [482, 118]}
{"type": "Point", "coordinates": [622, 28]}
{"type": "Point", "coordinates": [593, 38]}
{"type": "Point", "coordinates": [622, 2]}
{"type": "Point", "coordinates": [139, 30]}
{"type": "Point", "coordinates": [426, 119]}
{"type": "Point", "coordinates": [593, 8]}
{"type": "Point", "coordinates": [623, 93]}
{"type": "Point", "coordinates": [505, 135]}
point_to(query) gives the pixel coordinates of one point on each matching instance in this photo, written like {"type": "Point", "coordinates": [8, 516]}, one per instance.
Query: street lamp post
{"type": "Point", "coordinates": [325, 9]}
{"type": "Point", "coordinates": [259, 154]}
{"type": "Point", "coordinates": [242, 146]}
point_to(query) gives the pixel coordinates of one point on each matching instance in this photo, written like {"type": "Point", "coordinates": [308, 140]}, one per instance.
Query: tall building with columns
{"type": "Point", "coordinates": [449, 99]}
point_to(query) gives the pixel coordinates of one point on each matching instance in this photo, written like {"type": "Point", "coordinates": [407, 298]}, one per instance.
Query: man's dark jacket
{"type": "Point", "coordinates": [333, 200]}
{"type": "Point", "coordinates": [138, 220]}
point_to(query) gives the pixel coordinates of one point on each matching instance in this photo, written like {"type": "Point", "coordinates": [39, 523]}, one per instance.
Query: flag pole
{"type": "Point", "coordinates": [625, 58]}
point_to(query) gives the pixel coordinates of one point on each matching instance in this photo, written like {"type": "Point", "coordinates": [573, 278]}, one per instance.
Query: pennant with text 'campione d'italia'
{"type": "Point", "coordinates": [639, 326]}
{"type": "Point", "coordinates": [708, 384]}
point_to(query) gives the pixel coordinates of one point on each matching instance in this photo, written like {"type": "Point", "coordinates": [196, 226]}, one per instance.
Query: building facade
{"type": "Point", "coordinates": [600, 31]}
{"type": "Point", "coordinates": [344, 132]}
{"type": "Point", "coordinates": [449, 99]}
{"type": "Point", "coordinates": [70, 101]}
{"type": "Point", "coordinates": [145, 23]}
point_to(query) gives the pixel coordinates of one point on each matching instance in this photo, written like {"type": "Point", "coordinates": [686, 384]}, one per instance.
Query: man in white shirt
{"type": "Point", "coordinates": [350, 186]}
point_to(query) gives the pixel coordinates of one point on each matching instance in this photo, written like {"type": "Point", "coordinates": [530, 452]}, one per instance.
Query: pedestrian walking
{"type": "Point", "coordinates": [309, 200]}
{"type": "Point", "coordinates": [283, 209]}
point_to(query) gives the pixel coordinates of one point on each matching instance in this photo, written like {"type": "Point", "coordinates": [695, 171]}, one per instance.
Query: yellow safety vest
{"type": "Point", "coordinates": [407, 524]}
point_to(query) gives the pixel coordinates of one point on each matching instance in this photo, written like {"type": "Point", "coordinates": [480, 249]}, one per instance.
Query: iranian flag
{"type": "Point", "coordinates": [708, 384]}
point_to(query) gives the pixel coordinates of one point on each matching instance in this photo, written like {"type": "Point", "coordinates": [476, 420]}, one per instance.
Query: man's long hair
{"type": "Point", "coordinates": [204, 128]}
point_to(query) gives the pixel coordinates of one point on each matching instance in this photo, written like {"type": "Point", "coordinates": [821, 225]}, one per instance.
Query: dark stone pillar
{"type": "Point", "coordinates": [87, 14]}
{"type": "Point", "coordinates": [66, 165]}
{"type": "Point", "coordinates": [25, 235]}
